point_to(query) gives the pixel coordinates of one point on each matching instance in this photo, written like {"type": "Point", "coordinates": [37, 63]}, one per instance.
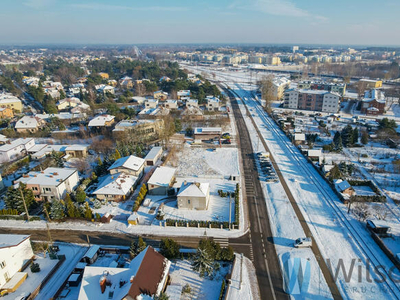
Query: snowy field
{"type": "Point", "coordinates": [196, 161]}
{"type": "Point", "coordinates": [202, 288]}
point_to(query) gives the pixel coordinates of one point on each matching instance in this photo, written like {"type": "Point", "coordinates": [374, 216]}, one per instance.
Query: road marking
{"type": "Point", "coordinates": [224, 242]}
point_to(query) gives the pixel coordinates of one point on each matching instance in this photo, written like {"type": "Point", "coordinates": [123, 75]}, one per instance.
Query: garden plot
{"type": "Point", "coordinates": [193, 161]}
{"type": "Point", "coordinates": [181, 273]}
{"type": "Point", "coordinates": [363, 190]}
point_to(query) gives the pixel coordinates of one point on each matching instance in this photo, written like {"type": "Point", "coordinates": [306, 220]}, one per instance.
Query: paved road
{"type": "Point", "coordinates": [264, 255]}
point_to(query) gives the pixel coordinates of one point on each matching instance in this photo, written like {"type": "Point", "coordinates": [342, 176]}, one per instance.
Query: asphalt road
{"type": "Point", "coordinates": [264, 255]}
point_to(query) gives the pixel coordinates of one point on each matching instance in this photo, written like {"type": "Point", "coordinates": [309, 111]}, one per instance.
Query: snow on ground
{"type": "Point", "coordinates": [181, 273]}
{"type": "Point", "coordinates": [248, 289]}
{"type": "Point", "coordinates": [286, 227]}
{"type": "Point", "coordinates": [218, 209]}
{"type": "Point", "coordinates": [334, 240]}
{"type": "Point", "coordinates": [197, 161]}
{"type": "Point", "coordinates": [363, 190]}
{"type": "Point", "coordinates": [34, 279]}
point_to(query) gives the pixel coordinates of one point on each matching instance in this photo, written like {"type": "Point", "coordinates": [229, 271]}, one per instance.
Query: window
{"type": "Point", "coordinates": [3, 264]}
{"type": "Point", "coordinates": [6, 276]}
{"type": "Point", "coordinates": [188, 201]}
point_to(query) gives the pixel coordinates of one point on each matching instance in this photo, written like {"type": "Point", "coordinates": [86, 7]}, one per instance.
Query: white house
{"type": "Point", "coordinates": [15, 149]}
{"type": "Point", "coordinates": [102, 121]}
{"type": "Point", "coordinates": [183, 93]}
{"type": "Point", "coordinates": [131, 165]}
{"type": "Point", "coordinates": [116, 187]}
{"type": "Point", "coordinates": [194, 195]}
{"type": "Point", "coordinates": [213, 103]}
{"type": "Point", "coordinates": [15, 253]}
{"type": "Point", "coordinates": [171, 104]}
{"type": "Point", "coordinates": [192, 103]}
{"type": "Point", "coordinates": [52, 183]}
{"type": "Point", "coordinates": [29, 124]}
{"type": "Point", "coordinates": [151, 103]}
{"type": "Point", "coordinates": [161, 180]}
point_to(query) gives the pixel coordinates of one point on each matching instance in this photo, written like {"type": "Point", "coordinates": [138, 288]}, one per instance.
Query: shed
{"type": "Point", "coordinates": [379, 227]}
{"type": "Point", "coordinates": [92, 254]}
{"type": "Point", "coordinates": [74, 279]}
{"type": "Point", "coordinates": [133, 219]}
{"type": "Point", "coordinates": [161, 180]}
{"type": "Point", "coordinates": [154, 155]}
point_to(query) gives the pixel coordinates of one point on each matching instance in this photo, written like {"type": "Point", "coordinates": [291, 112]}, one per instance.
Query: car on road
{"type": "Point", "coordinates": [303, 242]}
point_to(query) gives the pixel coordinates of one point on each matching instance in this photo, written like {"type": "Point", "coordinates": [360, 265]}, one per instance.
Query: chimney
{"type": "Point", "coordinates": [185, 182]}
{"type": "Point", "coordinates": [132, 277]}
{"type": "Point", "coordinates": [55, 173]}
{"type": "Point", "coordinates": [104, 282]}
{"type": "Point", "coordinates": [197, 184]}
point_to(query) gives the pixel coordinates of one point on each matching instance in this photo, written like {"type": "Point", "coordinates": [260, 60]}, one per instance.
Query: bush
{"type": "Point", "coordinates": [35, 268]}
{"type": "Point", "coordinates": [222, 292]}
{"type": "Point", "coordinates": [186, 289]}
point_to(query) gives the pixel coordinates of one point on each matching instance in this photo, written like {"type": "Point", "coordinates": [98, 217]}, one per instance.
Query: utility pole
{"type": "Point", "coordinates": [49, 234]}
{"type": "Point", "coordinates": [241, 271]}
{"type": "Point", "coordinates": [230, 210]}
{"type": "Point", "coordinates": [23, 200]}
{"type": "Point", "coordinates": [88, 240]}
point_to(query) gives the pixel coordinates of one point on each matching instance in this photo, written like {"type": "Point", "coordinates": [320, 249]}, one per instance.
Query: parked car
{"type": "Point", "coordinates": [226, 142]}
{"type": "Point", "coordinates": [303, 242]}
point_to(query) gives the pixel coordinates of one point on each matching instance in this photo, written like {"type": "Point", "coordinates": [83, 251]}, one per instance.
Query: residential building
{"type": "Point", "coordinates": [193, 195]}
{"type": "Point", "coordinates": [192, 103]}
{"type": "Point", "coordinates": [153, 156]}
{"type": "Point", "coordinates": [126, 82]}
{"type": "Point", "coordinates": [146, 278]}
{"type": "Point", "coordinates": [335, 87]}
{"type": "Point", "coordinates": [29, 124]}
{"type": "Point", "coordinates": [374, 102]}
{"type": "Point", "coordinates": [344, 187]}
{"type": "Point", "coordinates": [141, 129]}
{"type": "Point", "coordinates": [280, 84]}
{"type": "Point", "coordinates": [52, 183]}
{"type": "Point", "coordinates": [213, 103]}
{"type": "Point", "coordinates": [171, 104]}
{"type": "Point", "coordinates": [160, 95]}
{"type": "Point", "coordinates": [151, 103]}
{"type": "Point", "coordinates": [131, 165]}
{"type": "Point", "coordinates": [102, 88]}
{"type": "Point", "coordinates": [10, 101]}
{"type": "Point", "coordinates": [371, 84]}
{"type": "Point", "coordinates": [104, 75]}
{"type": "Point", "coordinates": [101, 121]}
{"type": "Point", "coordinates": [315, 100]}
{"type": "Point", "coordinates": [6, 113]}
{"type": "Point", "coordinates": [116, 187]}
{"type": "Point", "coordinates": [68, 103]}
{"type": "Point", "coordinates": [161, 181]}
{"type": "Point", "coordinates": [183, 93]}
{"type": "Point", "coordinates": [15, 254]}
{"type": "Point", "coordinates": [15, 149]}
{"type": "Point", "coordinates": [206, 133]}
{"type": "Point", "coordinates": [78, 151]}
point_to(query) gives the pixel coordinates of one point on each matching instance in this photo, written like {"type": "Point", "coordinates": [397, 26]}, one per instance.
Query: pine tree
{"type": "Point", "coordinates": [364, 138]}
{"type": "Point", "coordinates": [347, 136]}
{"type": "Point", "coordinates": [337, 141]}
{"type": "Point", "coordinates": [80, 195]}
{"type": "Point", "coordinates": [13, 198]}
{"type": "Point", "coordinates": [203, 262]}
{"type": "Point", "coordinates": [57, 210]}
{"type": "Point", "coordinates": [72, 210]}
{"type": "Point", "coordinates": [355, 136]}
{"type": "Point", "coordinates": [137, 247]}
{"type": "Point", "coordinates": [88, 211]}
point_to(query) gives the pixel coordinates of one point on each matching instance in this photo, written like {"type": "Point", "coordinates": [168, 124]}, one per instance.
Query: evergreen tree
{"type": "Point", "coordinates": [335, 173]}
{"type": "Point", "coordinates": [203, 262]}
{"type": "Point", "coordinates": [347, 136]}
{"type": "Point", "coordinates": [117, 155]}
{"type": "Point", "coordinates": [13, 198]}
{"type": "Point", "coordinates": [169, 248]}
{"type": "Point", "coordinates": [72, 210]}
{"type": "Point", "coordinates": [88, 212]}
{"type": "Point", "coordinates": [57, 210]}
{"type": "Point", "coordinates": [137, 247]}
{"type": "Point", "coordinates": [337, 141]}
{"type": "Point", "coordinates": [364, 138]}
{"type": "Point", "coordinates": [80, 195]}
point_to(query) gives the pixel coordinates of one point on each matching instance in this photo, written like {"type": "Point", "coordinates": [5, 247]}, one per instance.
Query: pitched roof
{"type": "Point", "coordinates": [129, 162]}
{"type": "Point", "coordinates": [100, 120]}
{"type": "Point", "coordinates": [162, 176]}
{"type": "Point", "coordinates": [12, 240]}
{"type": "Point", "coordinates": [27, 122]}
{"type": "Point", "coordinates": [117, 184]}
{"type": "Point", "coordinates": [193, 189]}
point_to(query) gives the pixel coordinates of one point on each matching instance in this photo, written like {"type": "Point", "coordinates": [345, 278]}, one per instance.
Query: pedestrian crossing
{"type": "Point", "coordinates": [224, 242]}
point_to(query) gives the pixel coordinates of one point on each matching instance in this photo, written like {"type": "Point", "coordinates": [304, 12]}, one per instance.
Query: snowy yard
{"type": "Point", "coordinates": [196, 161]}
{"type": "Point", "coordinates": [201, 288]}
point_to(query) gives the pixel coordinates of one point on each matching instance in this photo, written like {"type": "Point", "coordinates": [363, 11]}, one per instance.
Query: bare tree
{"type": "Point", "coordinates": [266, 85]}
{"type": "Point", "coordinates": [361, 87]}
{"type": "Point", "coordinates": [82, 165]}
{"type": "Point", "coordinates": [361, 211]}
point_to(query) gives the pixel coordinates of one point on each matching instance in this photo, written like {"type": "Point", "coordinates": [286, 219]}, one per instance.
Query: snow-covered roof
{"type": "Point", "coordinates": [374, 94]}
{"type": "Point", "coordinates": [153, 153]}
{"type": "Point", "coordinates": [76, 147]}
{"type": "Point", "coordinates": [116, 184]}
{"type": "Point", "coordinates": [28, 122]}
{"type": "Point", "coordinates": [92, 251]}
{"type": "Point", "coordinates": [341, 185]}
{"type": "Point", "coordinates": [207, 130]}
{"type": "Point", "coordinates": [15, 143]}
{"type": "Point", "coordinates": [146, 274]}
{"type": "Point", "coordinates": [11, 240]}
{"type": "Point", "coordinates": [8, 98]}
{"type": "Point", "coordinates": [129, 162]}
{"type": "Point", "coordinates": [48, 177]}
{"type": "Point", "coordinates": [193, 189]}
{"type": "Point", "coordinates": [299, 137]}
{"type": "Point", "coordinates": [183, 93]}
{"type": "Point", "coordinates": [162, 176]}
{"type": "Point", "coordinates": [100, 120]}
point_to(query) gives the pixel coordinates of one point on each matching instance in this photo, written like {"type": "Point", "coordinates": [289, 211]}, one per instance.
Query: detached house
{"type": "Point", "coordinates": [194, 195]}
{"type": "Point", "coordinates": [131, 165]}
{"type": "Point", "coordinates": [15, 254]}
{"type": "Point", "coordinates": [160, 95]}
{"type": "Point", "coordinates": [12, 150]}
{"type": "Point", "coordinates": [29, 124]}
{"type": "Point", "coordinates": [116, 187]}
{"type": "Point", "coordinates": [373, 103]}
{"type": "Point", "coordinates": [101, 121]}
{"type": "Point", "coordinates": [213, 103]}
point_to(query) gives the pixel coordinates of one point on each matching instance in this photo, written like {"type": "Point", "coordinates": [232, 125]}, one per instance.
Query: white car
{"type": "Point", "coordinates": [303, 243]}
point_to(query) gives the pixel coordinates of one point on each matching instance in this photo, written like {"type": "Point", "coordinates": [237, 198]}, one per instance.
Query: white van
{"type": "Point", "coordinates": [303, 242]}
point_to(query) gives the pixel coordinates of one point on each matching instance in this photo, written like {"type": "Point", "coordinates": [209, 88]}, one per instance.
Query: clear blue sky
{"type": "Point", "coordinates": [366, 22]}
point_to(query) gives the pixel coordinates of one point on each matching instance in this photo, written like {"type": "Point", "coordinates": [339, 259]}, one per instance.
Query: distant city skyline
{"type": "Point", "coordinates": [356, 22]}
